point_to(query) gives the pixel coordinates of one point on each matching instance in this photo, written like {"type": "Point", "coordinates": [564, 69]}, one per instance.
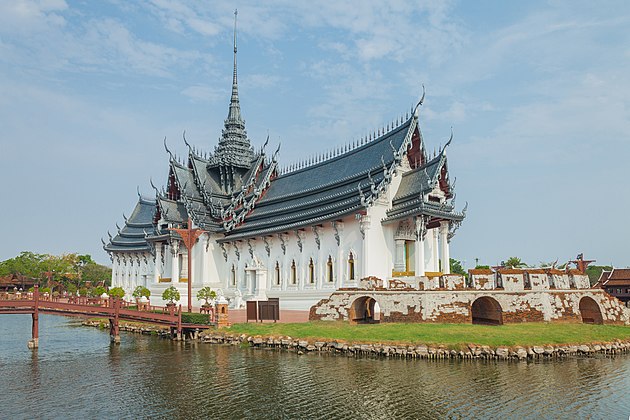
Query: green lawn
{"type": "Point", "coordinates": [450, 335]}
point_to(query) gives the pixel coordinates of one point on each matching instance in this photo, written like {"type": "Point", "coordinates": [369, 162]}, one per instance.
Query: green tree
{"type": "Point", "coordinates": [98, 291]}
{"type": "Point", "coordinates": [71, 289]}
{"type": "Point", "coordinates": [482, 267]}
{"type": "Point", "coordinates": [515, 262]}
{"type": "Point", "coordinates": [117, 292]}
{"type": "Point", "coordinates": [171, 294]}
{"type": "Point", "coordinates": [141, 291]}
{"type": "Point", "coordinates": [27, 264]}
{"type": "Point", "coordinates": [206, 294]}
{"type": "Point", "coordinates": [456, 267]}
{"type": "Point", "coordinates": [96, 274]}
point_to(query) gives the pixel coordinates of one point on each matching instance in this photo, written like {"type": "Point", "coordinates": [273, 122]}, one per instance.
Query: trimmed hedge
{"type": "Point", "coordinates": [194, 318]}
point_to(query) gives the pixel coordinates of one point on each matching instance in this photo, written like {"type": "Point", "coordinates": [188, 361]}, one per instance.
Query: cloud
{"type": "Point", "coordinates": [200, 93]}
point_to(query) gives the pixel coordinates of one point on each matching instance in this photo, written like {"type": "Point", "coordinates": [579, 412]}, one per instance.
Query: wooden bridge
{"type": "Point", "coordinates": [114, 309]}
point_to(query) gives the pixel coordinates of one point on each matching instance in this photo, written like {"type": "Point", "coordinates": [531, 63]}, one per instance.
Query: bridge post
{"type": "Point", "coordinates": [179, 324]}
{"type": "Point", "coordinates": [34, 341]}
{"type": "Point", "coordinates": [114, 330]}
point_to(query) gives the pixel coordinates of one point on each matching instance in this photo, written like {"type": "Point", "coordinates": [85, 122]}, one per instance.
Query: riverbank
{"type": "Point", "coordinates": [425, 341]}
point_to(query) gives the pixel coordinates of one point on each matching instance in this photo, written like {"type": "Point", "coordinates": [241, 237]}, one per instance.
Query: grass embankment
{"type": "Point", "coordinates": [450, 335]}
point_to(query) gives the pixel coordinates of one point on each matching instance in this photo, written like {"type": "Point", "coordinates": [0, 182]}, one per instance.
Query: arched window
{"type": "Point", "coordinates": [233, 275]}
{"type": "Point", "coordinates": [351, 267]}
{"type": "Point", "coordinates": [293, 273]}
{"type": "Point", "coordinates": [329, 270]}
{"type": "Point", "coordinates": [277, 273]}
{"type": "Point", "coordinates": [311, 271]}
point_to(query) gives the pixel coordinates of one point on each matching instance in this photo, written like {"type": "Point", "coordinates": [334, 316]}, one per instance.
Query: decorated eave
{"type": "Point", "coordinates": [331, 188]}
{"type": "Point", "coordinates": [131, 238]}
{"type": "Point", "coordinates": [426, 191]}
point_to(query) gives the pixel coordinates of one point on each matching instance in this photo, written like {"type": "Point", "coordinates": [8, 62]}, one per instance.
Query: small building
{"type": "Point", "coordinates": [616, 283]}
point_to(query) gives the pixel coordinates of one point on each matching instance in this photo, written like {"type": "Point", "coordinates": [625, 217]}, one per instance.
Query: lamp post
{"type": "Point", "coordinates": [189, 238]}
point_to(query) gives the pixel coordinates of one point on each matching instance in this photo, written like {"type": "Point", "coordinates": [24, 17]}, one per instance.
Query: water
{"type": "Point", "coordinates": [76, 373]}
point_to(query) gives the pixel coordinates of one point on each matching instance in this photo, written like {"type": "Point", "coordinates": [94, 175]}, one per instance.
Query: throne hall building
{"type": "Point", "coordinates": [381, 207]}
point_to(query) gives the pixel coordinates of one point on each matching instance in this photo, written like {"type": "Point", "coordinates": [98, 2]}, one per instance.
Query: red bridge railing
{"type": "Point", "coordinates": [113, 309]}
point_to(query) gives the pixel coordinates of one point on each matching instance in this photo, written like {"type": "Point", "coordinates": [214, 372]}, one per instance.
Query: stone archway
{"type": "Point", "coordinates": [486, 311]}
{"type": "Point", "coordinates": [362, 311]}
{"type": "Point", "coordinates": [590, 312]}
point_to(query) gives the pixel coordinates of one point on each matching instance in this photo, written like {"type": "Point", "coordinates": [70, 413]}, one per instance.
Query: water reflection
{"type": "Point", "coordinates": [77, 373]}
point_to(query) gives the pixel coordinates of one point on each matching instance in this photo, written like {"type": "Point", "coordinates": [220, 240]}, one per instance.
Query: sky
{"type": "Point", "coordinates": [537, 94]}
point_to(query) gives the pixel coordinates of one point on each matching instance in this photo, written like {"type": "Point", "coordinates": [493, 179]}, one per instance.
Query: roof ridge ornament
{"type": "Point", "coordinates": [443, 151]}
{"type": "Point", "coordinates": [415, 110]}
{"type": "Point", "coordinates": [166, 148]}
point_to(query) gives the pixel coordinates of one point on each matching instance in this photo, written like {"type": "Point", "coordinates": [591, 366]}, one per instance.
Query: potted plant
{"type": "Point", "coordinates": [206, 294]}
{"type": "Point", "coordinates": [171, 295]}
{"type": "Point", "coordinates": [140, 292]}
{"type": "Point", "coordinates": [117, 292]}
{"type": "Point", "coordinates": [142, 295]}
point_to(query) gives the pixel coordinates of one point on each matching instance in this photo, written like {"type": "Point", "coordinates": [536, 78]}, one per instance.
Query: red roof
{"type": "Point", "coordinates": [620, 274]}
{"type": "Point", "coordinates": [484, 271]}
{"type": "Point", "coordinates": [616, 277]}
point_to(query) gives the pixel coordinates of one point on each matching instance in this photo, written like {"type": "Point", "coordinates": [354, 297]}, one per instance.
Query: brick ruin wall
{"type": "Point", "coordinates": [455, 305]}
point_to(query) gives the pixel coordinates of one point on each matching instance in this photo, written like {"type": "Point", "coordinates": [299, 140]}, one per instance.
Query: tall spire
{"type": "Point", "coordinates": [235, 109]}
{"type": "Point", "coordinates": [234, 148]}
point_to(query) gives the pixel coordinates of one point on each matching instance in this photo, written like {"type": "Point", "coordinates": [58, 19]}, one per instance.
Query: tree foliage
{"type": "Point", "coordinates": [515, 262]}
{"type": "Point", "coordinates": [456, 267]}
{"type": "Point", "coordinates": [206, 293]}
{"type": "Point", "coordinates": [117, 292]}
{"type": "Point", "coordinates": [171, 294]}
{"type": "Point", "coordinates": [141, 291]}
{"type": "Point", "coordinates": [64, 270]}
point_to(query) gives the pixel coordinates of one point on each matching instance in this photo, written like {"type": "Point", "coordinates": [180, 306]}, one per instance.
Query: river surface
{"type": "Point", "coordinates": [77, 373]}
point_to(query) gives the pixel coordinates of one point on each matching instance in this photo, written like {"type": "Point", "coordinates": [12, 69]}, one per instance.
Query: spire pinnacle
{"type": "Point", "coordinates": [234, 147]}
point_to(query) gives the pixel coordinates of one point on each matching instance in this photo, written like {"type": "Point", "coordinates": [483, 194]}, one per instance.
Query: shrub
{"type": "Point", "coordinates": [83, 291]}
{"type": "Point", "coordinates": [206, 294]}
{"type": "Point", "coordinates": [98, 291]}
{"type": "Point", "coordinates": [194, 318]}
{"type": "Point", "coordinates": [45, 290]}
{"type": "Point", "coordinates": [141, 291]}
{"type": "Point", "coordinates": [117, 292]}
{"type": "Point", "coordinates": [171, 294]}
{"type": "Point", "coordinates": [71, 289]}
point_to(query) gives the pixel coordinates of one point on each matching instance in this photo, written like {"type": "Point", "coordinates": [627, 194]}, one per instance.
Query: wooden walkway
{"type": "Point", "coordinates": [113, 309]}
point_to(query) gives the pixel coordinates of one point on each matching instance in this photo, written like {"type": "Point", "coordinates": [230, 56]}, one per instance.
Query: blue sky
{"type": "Point", "coordinates": [537, 94]}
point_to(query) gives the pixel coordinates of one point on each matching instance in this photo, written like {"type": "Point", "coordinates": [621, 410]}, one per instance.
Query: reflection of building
{"type": "Point", "coordinates": [380, 206]}
{"type": "Point", "coordinates": [616, 283]}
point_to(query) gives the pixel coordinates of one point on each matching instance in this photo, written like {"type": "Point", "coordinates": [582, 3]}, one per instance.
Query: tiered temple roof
{"type": "Point", "coordinates": [132, 236]}
{"type": "Point", "coordinates": [240, 194]}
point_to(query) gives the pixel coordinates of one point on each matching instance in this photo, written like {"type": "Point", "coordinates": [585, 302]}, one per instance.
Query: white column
{"type": "Point", "coordinates": [399, 264]}
{"type": "Point", "coordinates": [435, 250]}
{"type": "Point", "coordinates": [420, 232]}
{"type": "Point", "coordinates": [175, 262]}
{"type": "Point", "coordinates": [184, 270]}
{"type": "Point", "coordinates": [364, 226]}
{"type": "Point", "coordinates": [446, 262]}
{"type": "Point", "coordinates": [157, 264]}
{"type": "Point", "coordinates": [204, 260]}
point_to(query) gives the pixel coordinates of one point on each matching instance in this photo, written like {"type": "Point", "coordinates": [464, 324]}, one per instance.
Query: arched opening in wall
{"type": "Point", "coordinates": [329, 270]}
{"type": "Point", "coordinates": [293, 273]}
{"type": "Point", "coordinates": [486, 311]}
{"type": "Point", "coordinates": [363, 310]}
{"type": "Point", "coordinates": [311, 271]}
{"type": "Point", "coordinates": [277, 273]}
{"type": "Point", "coordinates": [351, 267]}
{"type": "Point", "coordinates": [590, 312]}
